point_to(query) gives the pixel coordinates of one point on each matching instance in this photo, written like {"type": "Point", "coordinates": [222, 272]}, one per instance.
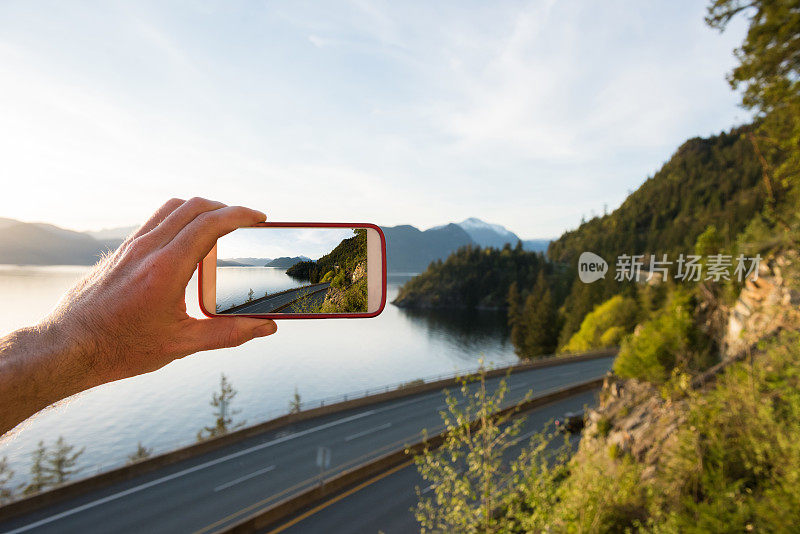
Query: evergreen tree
{"type": "Point", "coordinates": [539, 316]}
{"type": "Point", "coordinates": [515, 306]}
{"type": "Point", "coordinates": [769, 73]}
{"type": "Point", "coordinates": [40, 477]}
{"type": "Point", "coordinates": [223, 422]}
{"type": "Point", "coordinates": [61, 461]}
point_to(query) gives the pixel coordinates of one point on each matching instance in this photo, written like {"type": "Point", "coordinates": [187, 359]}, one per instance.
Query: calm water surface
{"type": "Point", "coordinates": [320, 358]}
{"type": "Point", "coordinates": [234, 283]}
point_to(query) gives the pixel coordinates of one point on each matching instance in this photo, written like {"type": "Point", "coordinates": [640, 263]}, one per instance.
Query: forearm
{"type": "Point", "coordinates": [128, 316]}
{"type": "Point", "coordinates": [38, 366]}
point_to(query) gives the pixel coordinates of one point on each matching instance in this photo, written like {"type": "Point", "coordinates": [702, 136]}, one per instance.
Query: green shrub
{"type": "Point", "coordinates": [339, 281]}
{"type": "Point", "coordinates": [660, 343]}
{"type": "Point", "coordinates": [604, 326]}
{"type": "Point", "coordinates": [603, 426]}
{"type": "Point", "coordinates": [602, 494]}
{"type": "Point", "coordinates": [613, 336]}
{"type": "Point", "coordinates": [736, 463]}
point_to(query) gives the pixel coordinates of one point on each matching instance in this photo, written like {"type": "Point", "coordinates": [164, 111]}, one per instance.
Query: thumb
{"type": "Point", "coordinates": [222, 332]}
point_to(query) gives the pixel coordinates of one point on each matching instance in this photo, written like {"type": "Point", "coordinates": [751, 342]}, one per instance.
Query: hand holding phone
{"type": "Point", "coordinates": [296, 271]}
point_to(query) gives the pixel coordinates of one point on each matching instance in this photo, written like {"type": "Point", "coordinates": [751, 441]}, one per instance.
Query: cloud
{"type": "Point", "coordinates": [526, 114]}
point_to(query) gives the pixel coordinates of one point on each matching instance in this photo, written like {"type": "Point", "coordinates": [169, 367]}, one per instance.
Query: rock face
{"type": "Point", "coordinates": [766, 304]}
{"type": "Point", "coordinates": [636, 418]}
{"type": "Point", "coordinates": [633, 418]}
{"type": "Point", "coordinates": [359, 272]}
{"type": "Point", "coordinates": [335, 297]}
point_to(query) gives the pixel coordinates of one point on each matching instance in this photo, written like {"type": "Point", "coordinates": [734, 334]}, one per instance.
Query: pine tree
{"type": "Point", "coordinates": [515, 315]}
{"type": "Point", "coordinates": [60, 462]}
{"type": "Point", "coordinates": [223, 422]}
{"type": "Point", "coordinates": [40, 478]}
{"type": "Point", "coordinates": [769, 74]}
{"type": "Point", "coordinates": [539, 316]}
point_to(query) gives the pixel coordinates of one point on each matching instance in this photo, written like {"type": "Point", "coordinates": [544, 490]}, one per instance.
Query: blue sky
{"type": "Point", "coordinates": [526, 114]}
{"type": "Point", "coordinates": [279, 242]}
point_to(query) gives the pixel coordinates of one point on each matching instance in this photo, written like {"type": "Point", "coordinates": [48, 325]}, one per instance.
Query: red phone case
{"type": "Point", "coordinates": [308, 315]}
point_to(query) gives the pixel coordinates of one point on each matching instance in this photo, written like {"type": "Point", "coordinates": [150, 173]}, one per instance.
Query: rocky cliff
{"type": "Point", "coordinates": [641, 419]}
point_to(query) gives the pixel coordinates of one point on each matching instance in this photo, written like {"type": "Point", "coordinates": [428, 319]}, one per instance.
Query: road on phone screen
{"type": "Point", "coordinates": [296, 300]}
{"type": "Point", "coordinates": [216, 489]}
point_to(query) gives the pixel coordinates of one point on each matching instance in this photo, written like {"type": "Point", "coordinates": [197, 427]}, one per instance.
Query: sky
{"type": "Point", "coordinates": [281, 242]}
{"type": "Point", "coordinates": [527, 114]}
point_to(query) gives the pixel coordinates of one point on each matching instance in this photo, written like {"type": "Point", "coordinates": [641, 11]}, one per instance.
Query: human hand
{"type": "Point", "coordinates": [128, 315]}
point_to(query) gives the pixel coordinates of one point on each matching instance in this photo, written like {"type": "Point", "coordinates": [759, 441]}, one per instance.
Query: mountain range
{"type": "Point", "coordinates": [44, 244]}
{"type": "Point", "coordinates": [284, 262]}
{"type": "Point", "coordinates": [409, 249]}
{"type": "Point", "coordinates": [242, 262]}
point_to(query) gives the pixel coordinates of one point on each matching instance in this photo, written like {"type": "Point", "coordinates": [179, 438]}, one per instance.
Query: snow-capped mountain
{"type": "Point", "coordinates": [488, 234]}
{"type": "Point", "coordinates": [485, 234]}
{"type": "Point", "coordinates": [495, 235]}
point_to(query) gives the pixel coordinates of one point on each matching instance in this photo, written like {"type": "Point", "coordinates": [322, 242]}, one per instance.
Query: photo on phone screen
{"type": "Point", "coordinates": [292, 271]}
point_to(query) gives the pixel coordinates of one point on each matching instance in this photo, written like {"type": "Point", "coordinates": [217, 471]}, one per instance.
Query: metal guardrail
{"type": "Point", "coordinates": [97, 468]}
{"type": "Point", "coordinates": [272, 514]}
{"type": "Point", "coordinates": [333, 399]}
{"type": "Point", "coordinates": [104, 470]}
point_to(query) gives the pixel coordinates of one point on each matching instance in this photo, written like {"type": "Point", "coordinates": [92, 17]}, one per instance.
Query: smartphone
{"type": "Point", "coordinates": [282, 270]}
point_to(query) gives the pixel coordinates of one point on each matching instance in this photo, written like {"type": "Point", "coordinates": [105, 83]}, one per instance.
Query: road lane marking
{"type": "Point", "coordinates": [245, 477]}
{"type": "Point", "coordinates": [340, 497]}
{"type": "Point", "coordinates": [199, 467]}
{"type": "Point", "coordinates": [361, 486]}
{"type": "Point", "coordinates": [179, 474]}
{"type": "Point", "coordinates": [338, 468]}
{"type": "Point", "coordinates": [315, 479]}
{"type": "Point", "coordinates": [367, 432]}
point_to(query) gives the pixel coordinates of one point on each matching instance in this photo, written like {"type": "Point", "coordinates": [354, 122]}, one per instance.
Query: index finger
{"type": "Point", "coordinates": [196, 239]}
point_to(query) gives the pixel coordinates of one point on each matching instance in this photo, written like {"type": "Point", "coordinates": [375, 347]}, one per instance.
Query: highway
{"type": "Point", "coordinates": [219, 488]}
{"type": "Point", "coordinates": [384, 503]}
{"type": "Point", "coordinates": [294, 300]}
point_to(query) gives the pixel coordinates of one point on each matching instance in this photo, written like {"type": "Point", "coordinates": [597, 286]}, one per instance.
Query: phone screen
{"type": "Point", "coordinates": [314, 270]}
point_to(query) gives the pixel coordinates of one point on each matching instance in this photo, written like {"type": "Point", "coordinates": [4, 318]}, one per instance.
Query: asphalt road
{"type": "Point", "coordinates": [219, 488]}
{"type": "Point", "coordinates": [384, 504]}
{"type": "Point", "coordinates": [286, 302]}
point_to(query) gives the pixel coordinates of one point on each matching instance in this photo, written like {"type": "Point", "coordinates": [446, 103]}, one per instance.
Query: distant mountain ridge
{"type": "Point", "coordinates": [45, 244]}
{"type": "Point", "coordinates": [487, 234]}
{"type": "Point", "coordinates": [245, 261]}
{"type": "Point", "coordinates": [119, 233]}
{"type": "Point", "coordinates": [409, 249]}
{"type": "Point", "coordinates": [284, 262]}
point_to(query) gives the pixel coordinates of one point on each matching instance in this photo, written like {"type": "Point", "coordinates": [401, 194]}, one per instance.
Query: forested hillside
{"type": "Point", "coordinates": [697, 429]}
{"type": "Point", "coordinates": [714, 180]}
{"type": "Point", "coordinates": [342, 259]}
{"type": "Point", "coordinates": [473, 277]}
{"type": "Point", "coordinates": [708, 182]}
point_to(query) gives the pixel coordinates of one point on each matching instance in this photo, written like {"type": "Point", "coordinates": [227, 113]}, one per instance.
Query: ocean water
{"type": "Point", "coordinates": [321, 358]}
